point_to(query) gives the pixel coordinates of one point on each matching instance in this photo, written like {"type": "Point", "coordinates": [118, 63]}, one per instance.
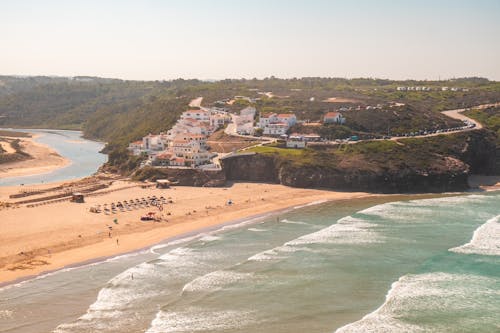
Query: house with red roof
{"type": "Point", "coordinates": [276, 124]}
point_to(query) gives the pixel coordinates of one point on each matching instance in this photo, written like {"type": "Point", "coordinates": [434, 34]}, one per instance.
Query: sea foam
{"type": "Point", "coordinates": [485, 241]}
{"type": "Point", "coordinates": [347, 230]}
{"type": "Point", "coordinates": [196, 319]}
{"type": "Point", "coordinates": [419, 296]}
{"type": "Point", "coordinates": [214, 281]}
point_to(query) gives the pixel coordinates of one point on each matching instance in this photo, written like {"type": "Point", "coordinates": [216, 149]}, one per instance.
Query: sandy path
{"type": "Point", "coordinates": [196, 102]}
{"type": "Point", "coordinates": [72, 234]}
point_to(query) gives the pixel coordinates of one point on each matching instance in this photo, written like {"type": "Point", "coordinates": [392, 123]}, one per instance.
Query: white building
{"type": "Point", "coordinates": [276, 129]}
{"type": "Point", "coordinates": [245, 128]}
{"type": "Point", "coordinates": [277, 124]}
{"type": "Point", "coordinates": [333, 118]}
{"type": "Point", "coordinates": [295, 141]}
{"type": "Point", "coordinates": [154, 142]}
{"type": "Point", "coordinates": [288, 118]}
{"type": "Point", "coordinates": [201, 115]}
{"type": "Point", "coordinates": [136, 147]}
{"type": "Point", "coordinates": [185, 144]}
{"type": "Point", "coordinates": [218, 120]}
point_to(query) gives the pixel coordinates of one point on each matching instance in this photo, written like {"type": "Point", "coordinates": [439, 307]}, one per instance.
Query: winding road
{"type": "Point", "coordinates": [455, 114]}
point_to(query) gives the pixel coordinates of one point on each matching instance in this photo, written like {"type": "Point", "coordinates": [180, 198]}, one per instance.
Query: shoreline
{"type": "Point", "coordinates": [44, 160]}
{"type": "Point", "coordinates": [156, 234]}
{"type": "Point", "coordinates": [25, 253]}
{"type": "Point", "coordinates": [66, 235]}
{"type": "Point", "coordinates": [188, 236]}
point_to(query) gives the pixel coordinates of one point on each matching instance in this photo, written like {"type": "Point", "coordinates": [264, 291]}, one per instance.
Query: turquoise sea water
{"type": "Point", "coordinates": [83, 154]}
{"type": "Point", "coordinates": [424, 265]}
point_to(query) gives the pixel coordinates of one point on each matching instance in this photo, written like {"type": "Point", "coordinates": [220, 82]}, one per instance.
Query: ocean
{"type": "Point", "coordinates": [421, 265]}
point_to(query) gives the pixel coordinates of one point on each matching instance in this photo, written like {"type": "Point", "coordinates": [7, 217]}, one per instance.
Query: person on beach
{"type": "Point", "coordinates": [117, 241]}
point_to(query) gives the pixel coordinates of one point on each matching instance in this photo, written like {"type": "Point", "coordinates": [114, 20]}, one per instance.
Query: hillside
{"type": "Point", "coordinates": [490, 118]}
{"type": "Point", "coordinates": [118, 111]}
{"type": "Point", "coordinates": [435, 164]}
{"type": "Point", "coordinates": [78, 103]}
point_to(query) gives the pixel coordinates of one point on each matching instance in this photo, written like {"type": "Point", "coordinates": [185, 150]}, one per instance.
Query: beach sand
{"type": "Point", "coordinates": [485, 183]}
{"type": "Point", "coordinates": [50, 237]}
{"type": "Point", "coordinates": [44, 160]}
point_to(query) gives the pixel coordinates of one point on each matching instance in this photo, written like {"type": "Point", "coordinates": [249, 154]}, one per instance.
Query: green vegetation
{"type": "Point", "coordinates": [420, 154]}
{"type": "Point", "coordinates": [119, 112]}
{"type": "Point", "coordinates": [490, 118]}
{"type": "Point", "coordinates": [285, 152]}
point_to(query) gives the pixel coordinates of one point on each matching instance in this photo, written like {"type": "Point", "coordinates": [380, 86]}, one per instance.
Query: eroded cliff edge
{"type": "Point", "coordinates": [436, 164]}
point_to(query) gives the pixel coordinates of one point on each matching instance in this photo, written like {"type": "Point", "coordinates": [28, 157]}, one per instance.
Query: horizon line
{"type": "Point", "coordinates": [248, 79]}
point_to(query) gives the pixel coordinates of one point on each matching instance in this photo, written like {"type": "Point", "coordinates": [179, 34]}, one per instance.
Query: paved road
{"type": "Point", "coordinates": [455, 114]}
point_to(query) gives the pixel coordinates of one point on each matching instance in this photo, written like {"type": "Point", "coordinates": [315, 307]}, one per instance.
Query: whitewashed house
{"type": "Point", "coordinates": [276, 129]}
{"type": "Point", "coordinates": [136, 147]}
{"type": "Point", "coordinates": [276, 124]}
{"type": "Point", "coordinates": [333, 118]}
{"type": "Point", "coordinates": [153, 142]}
{"type": "Point", "coordinates": [288, 118]}
{"type": "Point", "coordinates": [218, 120]}
{"type": "Point", "coordinates": [295, 141]}
{"type": "Point", "coordinates": [200, 115]}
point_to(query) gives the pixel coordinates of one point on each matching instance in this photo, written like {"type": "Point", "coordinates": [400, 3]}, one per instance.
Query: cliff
{"type": "Point", "coordinates": [437, 164]}
{"type": "Point", "coordinates": [448, 174]}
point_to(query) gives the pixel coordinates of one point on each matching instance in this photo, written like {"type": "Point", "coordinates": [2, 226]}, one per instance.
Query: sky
{"type": "Point", "coordinates": [218, 39]}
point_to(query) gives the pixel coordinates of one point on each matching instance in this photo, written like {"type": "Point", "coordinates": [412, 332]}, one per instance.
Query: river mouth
{"type": "Point", "coordinates": [83, 155]}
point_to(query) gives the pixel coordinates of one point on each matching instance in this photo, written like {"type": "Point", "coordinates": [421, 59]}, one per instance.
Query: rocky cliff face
{"type": "Point", "coordinates": [442, 170]}
{"type": "Point", "coordinates": [479, 151]}
{"type": "Point", "coordinates": [251, 167]}
{"type": "Point", "coordinates": [272, 169]}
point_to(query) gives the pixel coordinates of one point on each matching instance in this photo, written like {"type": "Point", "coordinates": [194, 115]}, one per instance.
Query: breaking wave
{"type": "Point", "coordinates": [485, 241]}
{"type": "Point", "coordinates": [417, 298]}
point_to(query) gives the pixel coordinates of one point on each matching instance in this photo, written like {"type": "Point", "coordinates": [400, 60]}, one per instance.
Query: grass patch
{"type": "Point", "coordinates": [285, 152]}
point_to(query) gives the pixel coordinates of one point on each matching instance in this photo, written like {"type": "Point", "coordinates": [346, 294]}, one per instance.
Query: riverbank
{"type": "Point", "coordinates": [50, 237]}
{"type": "Point", "coordinates": [43, 160]}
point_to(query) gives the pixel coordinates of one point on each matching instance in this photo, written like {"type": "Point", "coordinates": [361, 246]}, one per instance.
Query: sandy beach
{"type": "Point", "coordinates": [44, 159]}
{"type": "Point", "coordinates": [51, 236]}
{"type": "Point", "coordinates": [48, 237]}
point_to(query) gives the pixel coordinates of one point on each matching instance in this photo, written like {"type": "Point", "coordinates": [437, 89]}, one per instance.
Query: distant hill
{"type": "Point", "coordinates": [118, 111]}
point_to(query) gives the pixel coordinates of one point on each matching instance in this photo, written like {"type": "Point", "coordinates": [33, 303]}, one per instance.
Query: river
{"type": "Point", "coordinates": [84, 155]}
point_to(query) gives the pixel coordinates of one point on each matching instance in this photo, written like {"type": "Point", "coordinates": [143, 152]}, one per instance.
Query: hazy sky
{"type": "Point", "coordinates": [216, 39]}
